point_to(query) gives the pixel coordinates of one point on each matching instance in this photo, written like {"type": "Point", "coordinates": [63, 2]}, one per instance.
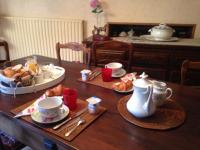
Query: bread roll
{"type": "Point", "coordinates": [8, 72]}
{"type": "Point", "coordinates": [56, 91]}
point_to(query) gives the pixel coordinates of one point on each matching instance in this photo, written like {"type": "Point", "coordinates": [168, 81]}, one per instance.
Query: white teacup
{"type": "Point", "coordinates": [115, 66]}
{"type": "Point", "coordinates": [161, 92]}
{"type": "Point", "coordinates": [50, 106]}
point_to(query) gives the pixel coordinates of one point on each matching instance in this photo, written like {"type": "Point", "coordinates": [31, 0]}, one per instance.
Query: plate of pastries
{"type": "Point", "coordinates": [125, 85]}
{"type": "Point", "coordinates": [16, 74]}
{"type": "Point", "coordinates": [19, 75]}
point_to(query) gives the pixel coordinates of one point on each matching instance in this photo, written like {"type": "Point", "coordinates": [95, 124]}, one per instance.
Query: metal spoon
{"type": "Point", "coordinates": [82, 121]}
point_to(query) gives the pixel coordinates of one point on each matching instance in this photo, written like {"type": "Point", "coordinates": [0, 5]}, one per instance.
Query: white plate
{"type": "Point", "coordinates": [121, 73]}
{"type": "Point", "coordinates": [151, 38]}
{"type": "Point", "coordinates": [37, 117]}
{"type": "Point", "coordinates": [128, 91]}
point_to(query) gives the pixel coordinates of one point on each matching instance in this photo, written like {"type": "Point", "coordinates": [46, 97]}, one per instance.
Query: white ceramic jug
{"type": "Point", "coordinates": [141, 104]}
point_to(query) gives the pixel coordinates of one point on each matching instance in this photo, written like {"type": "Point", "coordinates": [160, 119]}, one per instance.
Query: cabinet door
{"type": "Point", "coordinates": [150, 59]}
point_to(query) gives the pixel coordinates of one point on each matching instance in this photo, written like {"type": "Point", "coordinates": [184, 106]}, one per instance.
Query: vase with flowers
{"type": "Point", "coordinates": [98, 30]}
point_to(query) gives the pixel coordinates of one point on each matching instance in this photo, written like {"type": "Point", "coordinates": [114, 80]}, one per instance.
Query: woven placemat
{"type": "Point", "coordinates": [99, 82]}
{"type": "Point", "coordinates": [169, 116]}
{"type": "Point", "coordinates": [89, 118]}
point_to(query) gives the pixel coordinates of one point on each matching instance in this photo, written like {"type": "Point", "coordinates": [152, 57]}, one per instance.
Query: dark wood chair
{"type": "Point", "coordinates": [74, 47]}
{"type": "Point", "coordinates": [112, 51]}
{"type": "Point", "coordinates": [7, 55]}
{"type": "Point", "coordinates": [189, 71]}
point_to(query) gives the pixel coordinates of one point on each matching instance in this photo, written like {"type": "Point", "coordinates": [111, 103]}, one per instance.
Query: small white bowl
{"type": "Point", "coordinates": [50, 106]}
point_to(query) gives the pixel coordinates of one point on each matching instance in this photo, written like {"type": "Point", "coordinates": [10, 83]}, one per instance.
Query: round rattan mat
{"type": "Point", "coordinates": [168, 116]}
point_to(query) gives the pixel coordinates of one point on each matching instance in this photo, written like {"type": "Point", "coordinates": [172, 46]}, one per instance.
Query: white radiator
{"type": "Point", "coordinates": [27, 36]}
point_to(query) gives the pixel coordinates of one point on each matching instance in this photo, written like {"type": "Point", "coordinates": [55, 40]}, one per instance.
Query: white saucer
{"type": "Point", "coordinates": [128, 91]}
{"type": "Point", "coordinates": [121, 73]}
{"type": "Point", "coordinates": [37, 117]}
{"type": "Point", "coordinates": [151, 38]}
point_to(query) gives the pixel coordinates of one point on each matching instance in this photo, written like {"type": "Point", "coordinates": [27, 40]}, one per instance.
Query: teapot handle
{"type": "Point", "coordinates": [147, 104]}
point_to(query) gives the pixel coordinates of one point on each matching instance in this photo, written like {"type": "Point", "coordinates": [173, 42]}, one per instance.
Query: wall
{"type": "Point", "coordinates": [152, 11]}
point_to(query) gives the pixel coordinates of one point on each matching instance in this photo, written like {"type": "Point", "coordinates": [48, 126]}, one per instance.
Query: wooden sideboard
{"type": "Point", "coordinates": [161, 60]}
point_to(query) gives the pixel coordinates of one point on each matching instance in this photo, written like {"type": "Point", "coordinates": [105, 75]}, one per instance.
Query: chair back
{"type": "Point", "coordinates": [189, 72]}
{"type": "Point", "coordinates": [112, 51]}
{"type": "Point", "coordinates": [75, 47]}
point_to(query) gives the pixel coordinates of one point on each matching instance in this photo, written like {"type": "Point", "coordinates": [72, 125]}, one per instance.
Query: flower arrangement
{"type": "Point", "coordinates": [97, 10]}
{"type": "Point", "coordinates": [96, 6]}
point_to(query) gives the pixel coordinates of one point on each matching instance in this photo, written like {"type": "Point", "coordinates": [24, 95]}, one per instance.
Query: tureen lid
{"type": "Point", "coordinates": [163, 26]}
{"type": "Point", "coordinates": [143, 82]}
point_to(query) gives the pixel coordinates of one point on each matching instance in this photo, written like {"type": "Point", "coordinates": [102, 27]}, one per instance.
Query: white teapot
{"type": "Point", "coordinates": [141, 103]}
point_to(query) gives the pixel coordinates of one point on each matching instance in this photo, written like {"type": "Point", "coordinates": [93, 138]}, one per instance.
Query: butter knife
{"type": "Point", "coordinates": [95, 75]}
{"type": "Point", "coordinates": [92, 74]}
{"type": "Point", "coordinates": [70, 118]}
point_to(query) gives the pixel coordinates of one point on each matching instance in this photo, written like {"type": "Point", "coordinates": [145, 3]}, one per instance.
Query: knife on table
{"type": "Point", "coordinates": [94, 75]}
{"type": "Point", "coordinates": [70, 118]}
{"type": "Point", "coordinates": [91, 75]}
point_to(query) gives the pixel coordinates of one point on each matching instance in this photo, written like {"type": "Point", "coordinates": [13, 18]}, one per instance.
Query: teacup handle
{"type": "Point", "coordinates": [169, 91]}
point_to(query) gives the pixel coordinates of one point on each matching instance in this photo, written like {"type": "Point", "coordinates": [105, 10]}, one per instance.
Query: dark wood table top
{"type": "Point", "coordinates": [111, 131]}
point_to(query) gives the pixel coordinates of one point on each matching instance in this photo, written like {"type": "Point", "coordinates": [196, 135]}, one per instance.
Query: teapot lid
{"type": "Point", "coordinates": [163, 26]}
{"type": "Point", "coordinates": [143, 82]}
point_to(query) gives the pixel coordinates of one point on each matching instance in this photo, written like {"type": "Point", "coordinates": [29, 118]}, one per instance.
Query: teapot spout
{"type": "Point", "coordinates": [147, 105]}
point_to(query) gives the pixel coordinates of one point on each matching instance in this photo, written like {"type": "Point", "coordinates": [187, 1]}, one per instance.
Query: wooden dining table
{"type": "Point", "coordinates": [110, 131]}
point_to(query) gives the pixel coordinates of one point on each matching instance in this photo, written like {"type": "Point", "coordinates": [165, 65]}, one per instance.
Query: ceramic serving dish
{"type": "Point", "coordinates": [162, 31]}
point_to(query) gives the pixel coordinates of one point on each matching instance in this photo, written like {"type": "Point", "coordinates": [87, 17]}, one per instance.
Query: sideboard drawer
{"type": "Point", "coordinates": [150, 58]}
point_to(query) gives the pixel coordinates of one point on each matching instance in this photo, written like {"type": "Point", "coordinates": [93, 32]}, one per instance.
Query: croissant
{"type": "Point", "coordinates": [123, 86]}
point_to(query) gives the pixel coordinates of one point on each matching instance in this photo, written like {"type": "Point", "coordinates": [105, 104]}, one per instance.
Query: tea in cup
{"type": "Point", "coordinates": [161, 92]}
{"type": "Point", "coordinates": [115, 66]}
{"type": "Point", "coordinates": [50, 107]}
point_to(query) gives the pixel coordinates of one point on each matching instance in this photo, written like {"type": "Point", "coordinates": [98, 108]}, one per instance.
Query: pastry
{"type": "Point", "coordinates": [56, 91]}
{"type": "Point", "coordinates": [123, 86]}
{"type": "Point", "coordinates": [8, 72]}
{"type": "Point", "coordinates": [17, 67]}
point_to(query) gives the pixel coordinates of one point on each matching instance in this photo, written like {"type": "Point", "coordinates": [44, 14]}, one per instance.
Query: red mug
{"type": "Point", "coordinates": [70, 98]}
{"type": "Point", "coordinates": [106, 74]}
